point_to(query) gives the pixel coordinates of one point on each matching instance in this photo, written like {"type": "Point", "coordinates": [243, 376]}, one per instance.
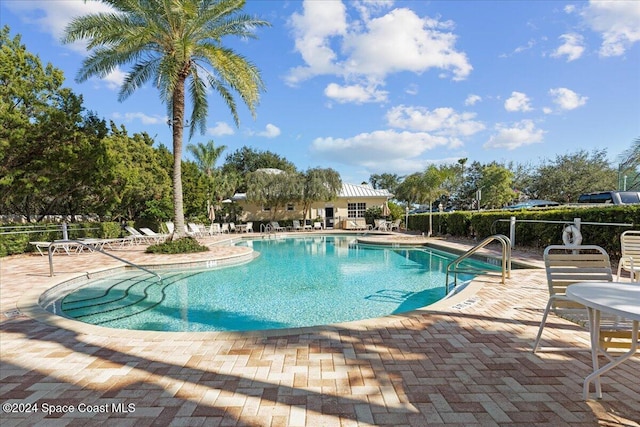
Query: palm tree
{"type": "Point", "coordinates": [175, 45]}
{"type": "Point", "coordinates": [206, 156]}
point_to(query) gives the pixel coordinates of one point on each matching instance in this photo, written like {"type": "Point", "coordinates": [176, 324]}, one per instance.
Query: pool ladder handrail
{"type": "Point", "coordinates": [452, 267]}
{"type": "Point", "coordinates": [93, 249]}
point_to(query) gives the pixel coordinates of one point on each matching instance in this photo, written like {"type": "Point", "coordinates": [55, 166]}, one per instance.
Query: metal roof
{"type": "Point", "coordinates": [352, 190]}
{"type": "Point", "coordinates": [348, 191]}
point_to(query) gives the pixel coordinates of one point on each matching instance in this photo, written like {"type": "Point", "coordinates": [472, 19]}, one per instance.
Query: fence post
{"type": "Point", "coordinates": [65, 233]}
{"type": "Point", "coordinates": [512, 231]}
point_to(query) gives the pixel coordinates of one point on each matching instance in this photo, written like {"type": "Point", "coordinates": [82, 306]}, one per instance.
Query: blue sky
{"type": "Point", "coordinates": [370, 87]}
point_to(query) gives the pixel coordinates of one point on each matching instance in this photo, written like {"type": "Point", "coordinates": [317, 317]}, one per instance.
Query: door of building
{"type": "Point", "coordinates": [328, 217]}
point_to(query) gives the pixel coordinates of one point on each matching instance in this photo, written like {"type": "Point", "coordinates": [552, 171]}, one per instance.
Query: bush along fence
{"type": "Point", "coordinates": [14, 239]}
{"type": "Point", "coordinates": [479, 225]}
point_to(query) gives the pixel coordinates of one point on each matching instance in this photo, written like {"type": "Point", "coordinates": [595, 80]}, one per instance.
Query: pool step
{"type": "Point", "coordinates": [123, 298]}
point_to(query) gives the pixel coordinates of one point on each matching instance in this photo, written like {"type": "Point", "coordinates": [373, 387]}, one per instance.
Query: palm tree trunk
{"type": "Point", "coordinates": [178, 123]}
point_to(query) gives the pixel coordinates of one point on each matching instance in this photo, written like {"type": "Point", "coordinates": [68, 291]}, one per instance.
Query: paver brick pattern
{"type": "Point", "coordinates": [465, 366]}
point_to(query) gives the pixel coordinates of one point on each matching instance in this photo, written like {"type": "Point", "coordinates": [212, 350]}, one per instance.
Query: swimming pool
{"type": "Point", "coordinates": [295, 282]}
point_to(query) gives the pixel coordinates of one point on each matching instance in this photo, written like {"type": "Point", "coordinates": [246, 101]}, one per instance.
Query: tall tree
{"type": "Point", "coordinates": [206, 156]}
{"type": "Point", "coordinates": [273, 188]}
{"type": "Point", "coordinates": [48, 147]}
{"type": "Point", "coordinates": [629, 168]}
{"type": "Point", "coordinates": [246, 160]}
{"type": "Point", "coordinates": [388, 181]}
{"type": "Point", "coordinates": [496, 185]}
{"type": "Point", "coordinates": [569, 175]}
{"type": "Point", "coordinates": [411, 190]}
{"type": "Point", "coordinates": [176, 45]}
{"type": "Point", "coordinates": [319, 185]}
{"type": "Point", "coordinates": [434, 181]}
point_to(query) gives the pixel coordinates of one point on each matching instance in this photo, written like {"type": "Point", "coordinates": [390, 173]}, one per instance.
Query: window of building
{"type": "Point", "coordinates": [266, 208]}
{"type": "Point", "coordinates": [290, 207]}
{"type": "Point", "coordinates": [356, 210]}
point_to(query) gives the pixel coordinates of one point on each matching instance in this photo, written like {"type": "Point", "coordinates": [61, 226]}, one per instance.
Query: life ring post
{"type": "Point", "coordinates": [571, 235]}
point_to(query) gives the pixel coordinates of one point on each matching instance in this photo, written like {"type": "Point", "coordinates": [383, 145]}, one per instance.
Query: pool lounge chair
{"type": "Point", "coordinates": [276, 227]}
{"type": "Point", "coordinates": [296, 225]}
{"type": "Point", "coordinates": [58, 245]}
{"type": "Point", "coordinates": [138, 237]}
{"type": "Point", "coordinates": [157, 237]}
{"type": "Point", "coordinates": [317, 225]}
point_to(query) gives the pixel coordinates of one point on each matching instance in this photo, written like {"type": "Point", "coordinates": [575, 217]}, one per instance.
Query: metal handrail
{"type": "Point", "coordinates": [452, 267]}
{"type": "Point", "coordinates": [93, 249]}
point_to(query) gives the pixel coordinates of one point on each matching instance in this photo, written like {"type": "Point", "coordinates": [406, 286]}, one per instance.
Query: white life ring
{"type": "Point", "coordinates": [571, 236]}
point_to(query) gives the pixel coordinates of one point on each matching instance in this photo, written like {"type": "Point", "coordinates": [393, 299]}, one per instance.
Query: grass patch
{"type": "Point", "coordinates": [185, 245]}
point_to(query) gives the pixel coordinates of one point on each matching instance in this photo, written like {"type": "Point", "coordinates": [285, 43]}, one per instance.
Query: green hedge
{"type": "Point", "coordinates": [537, 235]}
{"type": "Point", "coordinates": [14, 239]}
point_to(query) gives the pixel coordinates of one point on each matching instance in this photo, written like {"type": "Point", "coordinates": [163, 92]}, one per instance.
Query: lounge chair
{"type": "Point", "coordinates": [194, 230]}
{"type": "Point", "coordinates": [296, 225]}
{"type": "Point", "coordinates": [138, 237]}
{"type": "Point", "coordinates": [170, 227]}
{"type": "Point", "coordinates": [225, 227]}
{"type": "Point", "coordinates": [317, 225]}
{"type": "Point", "coordinates": [232, 227]}
{"type": "Point", "coordinates": [248, 227]}
{"type": "Point", "coordinates": [157, 238]}
{"type": "Point", "coordinates": [276, 227]}
{"type": "Point", "coordinates": [630, 259]}
{"type": "Point", "coordinates": [57, 245]}
{"type": "Point", "coordinates": [566, 265]}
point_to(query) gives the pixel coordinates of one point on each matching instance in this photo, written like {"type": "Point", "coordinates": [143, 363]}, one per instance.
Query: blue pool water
{"type": "Point", "coordinates": [295, 282]}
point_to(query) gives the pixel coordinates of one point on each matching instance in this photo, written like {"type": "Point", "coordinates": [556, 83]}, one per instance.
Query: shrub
{"type": "Point", "coordinates": [185, 245]}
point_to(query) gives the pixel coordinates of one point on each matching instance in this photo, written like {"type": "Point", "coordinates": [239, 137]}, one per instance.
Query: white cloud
{"type": "Point", "coordinates": [371, 48]}
{"type": "Point", "coordinates": [518, 102]}
{"type": "Point", "coordinates": [115, 79]}
{"type": "Point", "coordinates": [142, 117]}
{"type": "Point", "coordinates": [220, 129]}
{"type": "Point", "coordinates": [572, 48]}
{"type": "Point", "coordinates": [402, 41]}
{"type": "Point", "coordinates": [441, 121]}
{"type": "Point", "coordinates": [412, 89]}
{"type": "Point", "coordinates": [570, 8]}
{"type": "Point", "coordinates": [52, 16]}
{"type": "Point", "coordinates": [530, 44]}
{"type": "Point", "coordinates": [567, 99]}
{"type": "Point", "coordinates": [313, 30]}
{"type": "Point", "coordinates": [354, 93]}
{"type": "Point", "coordinates": [472, 99]}
{"type": "Point", "coordinates": [517, 135]}
{"type": "Point", "coordinates": [618, 23]}
{"type": "Point", "coordinates": [388, 150]}
{"type": "Point", "coordinates": [271, 131]}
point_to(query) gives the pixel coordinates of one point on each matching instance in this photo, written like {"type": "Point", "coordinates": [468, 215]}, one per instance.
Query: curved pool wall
{"type": "Point", "coordinates": [401, 300]}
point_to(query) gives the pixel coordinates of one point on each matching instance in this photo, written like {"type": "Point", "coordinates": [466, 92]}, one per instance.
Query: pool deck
{"type": "Point", "coordinates": [465, 361]}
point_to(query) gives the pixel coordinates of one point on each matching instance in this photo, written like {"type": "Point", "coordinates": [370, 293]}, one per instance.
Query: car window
{"type": "Point", "coordinates": [629, 198]}
{"type": "Point", "coordinates": [601, 198]}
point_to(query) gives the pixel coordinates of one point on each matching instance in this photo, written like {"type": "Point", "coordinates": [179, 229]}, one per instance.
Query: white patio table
{"type": "Point", "coordinates": [616, 298]}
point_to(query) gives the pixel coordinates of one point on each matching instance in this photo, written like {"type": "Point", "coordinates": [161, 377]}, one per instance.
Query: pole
{"type": "Point", "coordinates": [512, 231]}
{"type": "Point", "coordinates": [406, 221]}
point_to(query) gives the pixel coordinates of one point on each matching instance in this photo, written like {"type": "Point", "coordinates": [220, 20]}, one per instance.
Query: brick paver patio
{"type": "Point", "coordinates": [465, 361]}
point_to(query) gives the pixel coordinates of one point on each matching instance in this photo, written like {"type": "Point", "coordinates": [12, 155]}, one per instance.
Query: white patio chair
{"type": "Point", "coordinates": [630, 259]}
{"type": "Point", "coordinates": [566, 265]}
